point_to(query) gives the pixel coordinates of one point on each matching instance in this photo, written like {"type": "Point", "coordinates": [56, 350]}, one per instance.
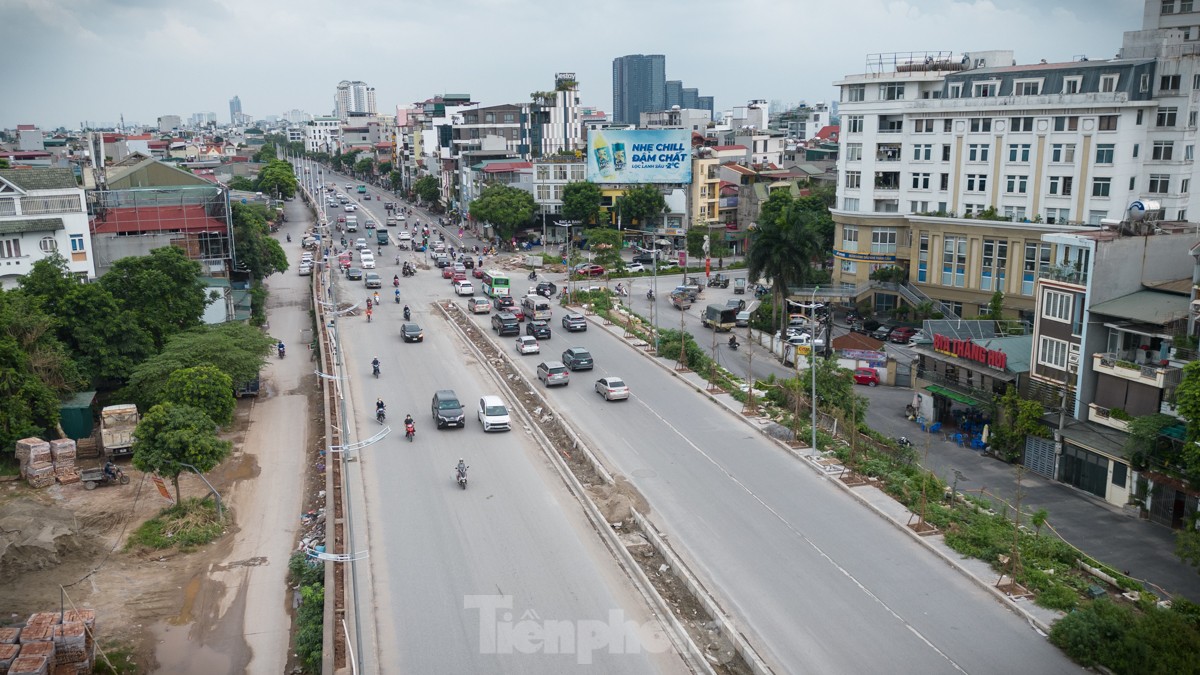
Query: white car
{"type": "Point", "coordinates": [368, 261]}
{"type": "Point", "coordinates": [492, 414]}
{"type": "Point", "coordinates": [612, 388]}
{"type": "Point", "coordinates": [464, 288]}
{"type": "Point", "coordinates": [350, 208]}
{"type": "Point", "coordinates": [360, 243]}
{"type": "Point", "coordinates": [527, 344]}
{"type": "Point", "coordinates": [635, 267]}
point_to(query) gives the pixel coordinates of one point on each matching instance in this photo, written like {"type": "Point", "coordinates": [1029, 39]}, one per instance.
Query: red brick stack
{"type": "Point", "coordinates": [49, 644]}
{"type": "Point", "coordinates": [63, 452]}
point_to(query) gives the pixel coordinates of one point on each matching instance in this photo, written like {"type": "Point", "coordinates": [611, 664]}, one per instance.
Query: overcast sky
{"type": "Point", "coordinates": [92, 60]}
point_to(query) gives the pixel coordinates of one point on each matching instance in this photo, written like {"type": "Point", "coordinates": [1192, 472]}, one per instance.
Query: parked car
{"type": "Point", "coordinates": [538, 329]}
{"type": "Point", "coordinates": [552, 373]}
{"type": "Point", "coordinates": [305, 270]}
{"type": "Point", "coordinates": [493, 414]}
{"type": "Point", "coordinates": [612, 388]}
{"type": "Point", "coordinates": [577, 358]}
{"type": "Point", "coordinates": [865, 326]}
{"type": "Point", "coordinates": [902, 334]}
{"type": "Point", "coordinates": [411, 332]}
{"type": "Point", "coordinates": [589, 270]}
{"type": "Point", "coordinates": [633, 268]}
{"type": "Point", "coordinates": [867, 376]}
{"type": "Point", "coordinates": [528, 345]}
{"type": "Point", "coordinates": [882, 332]}
{"type": "Point", "coordinates": [574, 322]}
{"type": "Point", "coordinates": [447, 411]}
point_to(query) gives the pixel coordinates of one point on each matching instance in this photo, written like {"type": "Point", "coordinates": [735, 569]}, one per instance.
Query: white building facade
{"type": "Point", "coordinates": [323, 134]}
{"type": "Point", "coordinates": [42, 212]}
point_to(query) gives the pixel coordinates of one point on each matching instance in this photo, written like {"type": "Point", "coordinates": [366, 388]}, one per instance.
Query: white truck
{"type": "Point", "coordinates": [117, 423]}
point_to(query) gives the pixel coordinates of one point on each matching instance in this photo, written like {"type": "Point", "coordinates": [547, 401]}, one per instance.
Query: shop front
{"type": "Point", "coordinates": [958, 380]}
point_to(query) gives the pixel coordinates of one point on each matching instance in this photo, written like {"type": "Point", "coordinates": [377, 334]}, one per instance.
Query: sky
{"type": "Point", "coordinates": [94, 60]}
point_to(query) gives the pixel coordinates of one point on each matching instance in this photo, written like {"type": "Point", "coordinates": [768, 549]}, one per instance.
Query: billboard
{"type": "Point", "coordinates": [640, 156]}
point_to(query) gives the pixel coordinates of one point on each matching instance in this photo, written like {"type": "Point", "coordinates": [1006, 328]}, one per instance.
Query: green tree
{"type": "Point", "coordinates": [49, 280]}
{"type": "Point", "coordinates": [237, 349]}
{"type": "Point", "coordinates": [35, 369]}
{"type": "Point", "coordinates": [643, 203]}
{"type": "Point", "coordinates": [605, 244]}
{"type": "Point", "coordinates": [266, 153]}
{"type": "Point", "coordinates": [995, 310]}
{"type": "Point", "coordinates": [243, 184]}
{"type": "Point", "coordinates": [1017, 419]}
{"type": "Point", "coordinates": [396, 179]}
{"type": "Point", "coordinates": [835, 390]}
{"type": "Point", "coordinates": [364, 166]}
{"type": "Point", "coordinates": [581, 202]}
{"type": "Point", "coordinates": [204, 387]}
{"type": "Point", "coordinates": [170, 435]}
{"type": "Point", "coordinates": [783, 246]}
{"type": "Point", "coordinates": [108, 340]}
{"type": "Point", "coordinates": [427, 189]}
{"type": "Point", "coordinates": [822, 226]}
{"type": "Point", "coordinates": [255, 248]}
{"type": "Point", "coordinates": [162, 289]}
{"type": "Point", "coordinates": [344, 162]}
{"type": "Point", "coordinates": [278, 178]}
{"type": "Point", "coordinates": [505, 207]}
{"type": "Point", "coordinates": [695, 242]}
{"type": "Point", "coordinates": [385, 168]}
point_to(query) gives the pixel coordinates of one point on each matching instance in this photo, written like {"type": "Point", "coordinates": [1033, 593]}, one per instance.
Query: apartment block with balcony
{"type": "Point", "coordinates": [42, 212]}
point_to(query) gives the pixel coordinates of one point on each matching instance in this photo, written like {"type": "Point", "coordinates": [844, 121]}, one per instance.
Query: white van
{"type": "Point", "coordinates": [536, 307]}
{"type": "Point", "coordinates": [352, 223]}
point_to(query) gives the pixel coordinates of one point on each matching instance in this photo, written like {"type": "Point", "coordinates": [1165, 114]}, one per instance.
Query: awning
{"type": "Point", "coordinates": [952, 395]}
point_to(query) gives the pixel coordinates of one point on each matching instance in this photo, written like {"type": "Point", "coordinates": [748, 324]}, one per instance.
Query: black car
{"type": "Point", "coordinates": [505, 323]}
{"type": "Point", "coordinates": [354, 274]}
{"type": "Point", "coordinates": [538, 329]}
{"type": "Point", "coordinates": [411, 332]}
{"type": "Point", "coordinates": [865, 326]}
{"type": "Point", "coordinates": [447, 411]}
{"type": "Point", "coordinates": [574, 322]}
{"type": "Point", "coordinates": [882, 332]}
{"type": "Point", "coordinates": [577, 358]}
{"type": "Point", "coordinates": [546, 289]}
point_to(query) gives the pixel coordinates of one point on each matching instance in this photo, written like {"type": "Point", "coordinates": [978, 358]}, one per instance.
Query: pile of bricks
{"type": "Point", "coordinates": [63, 452]}
{"type": "Point", "coordinates": [49, 644]}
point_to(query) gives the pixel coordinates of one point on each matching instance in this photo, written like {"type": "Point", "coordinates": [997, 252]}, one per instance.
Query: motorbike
{"type": "Point", "coordinates": [289, 237]}
{"type": "Point", "coordinates": [282, 350]}
{"type": "Point", "coordinates": [410, 430]}
{"type": "Point", "coordinates": [91, 478]}
{"type": "Point", "coordinates": [380, 415]}
{"type": "Point", "coordinates": [461, 476]}
{"type": "Point", "coordinates": [734, 344]}
{"type": "Point", "coordinates": [650, 295]}
{"type": "Point", "coordinates": [395, 281]}
{"type": "Point", "coordinates": [407, 314]}
{"type": "Point", "coordinates": [904, 442]}
{"type": "Point", "coordinates": [532, 275]}
{"type": "Point", "coordinates": [397, 294]}
{"type": "Point", "coordinates": [375, 370]}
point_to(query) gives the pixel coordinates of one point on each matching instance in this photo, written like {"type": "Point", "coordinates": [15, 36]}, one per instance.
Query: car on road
{"type": "Point", "coordinates": [361, 244]}
{"type": "Point", "coordinates": [370, 224]}
{"type": "Point", "coordinates": [505, 323]}
{"type": "Point", "coordinates": [735, 303]}
{"type": "Point", "coordinates": [368, 261]}
{"type": "Point", "coordinates": [546, 289]}
{"type": "Point", "coordinates": [633, 268]}
{"type": "Point", "coordinates": [411, 332]}
{"type": "Point", "coordinates": [528, 345]}
{"type": "Point", "coordinates": [464, 287]}
{"type": "Point", "coordinates": [552, 373]}
{"type": "Point", "coordinates": [447, 272]}
{"type": "Point", "coordinates": [372, 280]}
{"type": "Point", "coordinates": [867, 376]}
{"type": "Point", "coordinates": [350, 208]}
{"type": "Point", "coordinates": [447, 411]}
{"type": "Point", "coordinates": [612, 388]}
{"type": "Point", "coordinates": [589, 270]}
{"type": "Point", "coordinates": [742, 319]}
{"type": "Point", "coordinates": [305, 270]}
{"type": "Point", "coordinates": [493, 414]}
{"type": "Point", "coordinates": [354, 274]}
{"type": "Point", "coordinates": [902, 334]}
{"type": "Point", "coordinates": [574, 322]}
{"type": "Point", "coordinates": [882, 332]}
{"type": "Point", "coordinates": [479, 306]}
{"type": "Point", "coordinates": [538, 329]}
{"type": "Point", "coordinates": [668, 266]}
{"type": "Point", "coordinates": [477, 272]}
{"type": "Point", "coordinates": [577, 358]}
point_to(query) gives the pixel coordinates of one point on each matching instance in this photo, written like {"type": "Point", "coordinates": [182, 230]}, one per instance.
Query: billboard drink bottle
{"type": "Point", "coordinates": [604, 162]}
{"type": "Point", "coordinates": [618, 155]}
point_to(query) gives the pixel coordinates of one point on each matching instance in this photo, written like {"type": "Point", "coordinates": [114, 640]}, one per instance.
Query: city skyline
{"type": "Point", "coordinates": [214, 51]}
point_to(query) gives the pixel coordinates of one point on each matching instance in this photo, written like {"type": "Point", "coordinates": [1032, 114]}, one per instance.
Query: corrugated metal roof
{"type": "Point", "coordinates": [39, 179]}
{"type": "Point", "coordinates": [1152, 307]}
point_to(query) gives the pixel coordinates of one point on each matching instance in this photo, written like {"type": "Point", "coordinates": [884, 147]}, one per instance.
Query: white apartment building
{"type": "Point", "coordinates": [693, 120]}
{"type": "Point", "coordinates": [323, 134]}
{"type": "Point", "coordinates": [556, 118]}
{"type": "Point", "coordinates": [42, 212]}
{"type": "Point", "coordinates": [352, 97]}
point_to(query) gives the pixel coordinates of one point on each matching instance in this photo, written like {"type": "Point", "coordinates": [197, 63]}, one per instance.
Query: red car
{"type": "Point", "coordinates": [902, 334]}
{"type": "Point", "coordinates": [447, 272]}
{"type": "Point", "coordinates": [477, 272]}
{"type": "Point", "coordinates": [867, 376]}
{"type": "Point", "coordinates": [589, 270]}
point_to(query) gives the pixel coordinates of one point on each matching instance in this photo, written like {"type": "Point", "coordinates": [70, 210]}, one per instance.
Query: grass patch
{"type": "Point", "coordinates": [121, 658]}
{"type": "Point", "coordinates": [189, 524]}
{"type": "Point", "coordinates": [9, 466]}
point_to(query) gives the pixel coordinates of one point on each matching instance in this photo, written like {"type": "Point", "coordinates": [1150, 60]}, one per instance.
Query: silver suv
{"type": "Point", "coordinates": [447, 411]}
{"type": "Point", "coordinates": [552, 373]}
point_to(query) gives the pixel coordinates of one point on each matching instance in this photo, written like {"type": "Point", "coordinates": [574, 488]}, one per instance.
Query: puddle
{"type": "Point", "coordinates": [176, 652]}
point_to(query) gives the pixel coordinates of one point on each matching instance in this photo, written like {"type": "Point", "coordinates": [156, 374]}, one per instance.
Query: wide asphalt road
{"type": "Point", "coordinates": [821, 584]}
{"type": "Point", "coordinates": [469, 581]}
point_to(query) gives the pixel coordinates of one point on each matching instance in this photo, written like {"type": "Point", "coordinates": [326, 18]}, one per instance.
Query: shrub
{"type": "Point", "coordinates": [310, 627]}
{"type": "Point", "coordinates": [191, 523]}
{"type": "Point", "coordinates": [1125, 641]}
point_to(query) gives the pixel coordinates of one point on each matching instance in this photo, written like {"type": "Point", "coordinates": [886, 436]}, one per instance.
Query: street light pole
{"type": "Point", "coordinates": [812, 351]}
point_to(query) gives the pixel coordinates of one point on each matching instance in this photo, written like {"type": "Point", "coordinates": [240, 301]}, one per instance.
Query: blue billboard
{"type": "Point", "coordinates": [640, 156]}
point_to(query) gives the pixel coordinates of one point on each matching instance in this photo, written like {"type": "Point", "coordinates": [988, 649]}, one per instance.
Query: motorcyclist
{"type": "Point", "coordinates": [281, 348]}
{"type": "Point", "coordinates": [407, 313]}
{"type": "Point", "coordinates": [650, 294]}
{"type": "Point", "coordinates": [289, 237]}
{"type": "Point", "coordinates": [375, 369]}
{"type": "Point", "coordinates": [396, 280]}
{"type": "Point", "coordinates": [620, 289]}
{"type": "Point", "coordinates": [376, 297]}
{"type": "Point", "coordinates": [461, 470]}
{"type": "Point", "coordinates": [410, 427]}
{"type": "Point", "coordinates": [532, 275]}
{"type": "Point", "coordinates": [379, 404]}
{"type": "Point", "coordinates": [397, 296]}
{"type": "Point", "coordinates": [733, 342]}
{"type": "Point", "coordinates": [110, 470]}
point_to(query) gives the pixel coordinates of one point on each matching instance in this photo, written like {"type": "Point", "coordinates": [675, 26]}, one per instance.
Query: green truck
{"type": "Point", "coordinates": [381, 237]}
{"type": "Point", "coordinates": [720, 317]}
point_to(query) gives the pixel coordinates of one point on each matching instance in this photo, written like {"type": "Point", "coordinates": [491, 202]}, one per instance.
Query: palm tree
{"type": "Point", "coordinates": [782, 250]}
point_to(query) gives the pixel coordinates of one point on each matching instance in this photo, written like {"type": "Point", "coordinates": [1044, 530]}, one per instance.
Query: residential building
{"type": "Point", "coordinates": [169, 123]}
{"type": "Point", "coordinates": [323, 134]}
{"type": "Point", "coordinates": [555, 119]}
{"type": "Point", "coordinates": [694, 120]}
{"type": "Point", "coordinates": [705, 193]}
{"type": "Point", "coordinates": [639, 85]}
{"type": "Point", "coordinates": [550, 176]}
{"type": "Point", "coordinates": [353, 97]}
{"type": "Point", "coordinates": [802, 122]}
{"type": "Point", "coordinates": [30, 138]}
{"type": "Point", "coordinates": [235, 110]}
{"type": "Point", "coordinates": [42, 212]}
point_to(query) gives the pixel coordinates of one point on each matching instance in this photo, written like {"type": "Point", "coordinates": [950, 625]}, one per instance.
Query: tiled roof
{"type": "Point", "coordinates": [25, 127]}
{"type": "Point", "coordinates": [190, 218]}
{"type": "Point", "coordinates": [39, 179]}
{"type": "Point", "coordinates": [503, 167]}
{"type": "Point", "coordinates": [30, 225]}
{"type": "Point", "coordinates": [828, 132]}
{"type": "Point", "coordinates": [24, 154]}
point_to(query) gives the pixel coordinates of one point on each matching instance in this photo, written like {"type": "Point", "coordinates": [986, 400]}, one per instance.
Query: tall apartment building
{"type": "Point", "coordinates": [323, 134]}
{"type": "Point", "coordinates": [556, 122]}
{"type": "Point", "coordinates": [353, 97]}
{"type": "Point", "coordinates": [235, 110]}
{"type": "Point", "coordinates": [639, 85]}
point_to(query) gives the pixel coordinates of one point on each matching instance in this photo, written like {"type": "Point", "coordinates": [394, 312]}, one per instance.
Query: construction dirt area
{"type": "Point", "coordinates": [63, 547]}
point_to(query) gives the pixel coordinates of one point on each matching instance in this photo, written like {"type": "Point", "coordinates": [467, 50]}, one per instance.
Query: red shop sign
{"type": "Point", "coordinates": [965, 349]}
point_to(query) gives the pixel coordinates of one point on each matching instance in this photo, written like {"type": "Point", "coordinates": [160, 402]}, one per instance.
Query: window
{"type": "Point", "coordinates": [1185, 6]}
{"type": "Point", "coordinates": [1192, 119]}
{"type": "Point", "coordinates": [856, 93]}
{"type": "Point", "coordinates": [1027, 87]}
{"type": "Point", "coordinates": [10, 248]}
{"type": "Point", "coordinates": [954, 260]}
{"type": "Point", "coordinates": [849, 238]}
{"type": "Point", "coordinates": [543, 193]}
{"type": "Point", "coordinates": [1037, 259]}
{"type": "Point", "coordinates": [48, 245]}
{"type": "Point", "coordinates": [1064, 123]}
{"type": "Point", "coordinates": [945, 153]}
{"type": "Point", "coordinates": [956, 90]}
{"type": "Point", "coordinates": [1108, 122]}
{"type": "Point", "coordinates": [977, 152]}
{"type": "Point", "coordinates": [560, 172]}
{"type": "Point", "coordinates": [1021, 124]}
{"type": "Point", "coordinates": [922, 153]}
{"type": "Point", "coordinates": [853, 179]}
{"type": "Point", "coordinates": [854, 124]}
{"type": "Point", "coordinates": [577, 174]}
{"type": "Point", "coordinates": [77, 245]}
{"type": "Point", "coordinates": [1168, 83]}
{"type": "Point", "coordinates": [1018, 152]}
{"type": "Point", "coordinates": [1184, 187]}
{"type": "Point", "coordinates": [543, 172]}
{"type": "Point", "coordinates": [918, 207]}
{"type": "Point", "coordinates": [1108, 83]}
{"type": "Point", "coordinates": [1015, 185]}
{"type": "Point", "coordinates": [1159, 184]}
{"type": "Point", "coordinates": [923, 259]}
{"type": "Point", "coordinates": [1136, 147]}
{"type": "Point", "coordinates": [1144, 83]}
{"type": "Point", "coordinates": [1168, 6]}
{"type": "Point", "coordinates": [892, 91]}
{"type": "Point", "coordinates": [1120, 472]}
{"type": "Point", "coordinates": [1052, 353]}
{"type": "Point", "coordinates": [971, 209]}
{"type": "Point", "coordinates": [1101, 187]}
{"type": "Point", "coordinates": [986, 89]}
{"type": "Point", "coordinates": [944, 182]}
{"type": "Point", "coordinates": [509, 118]}
{"type": "Point", "coordinates": [850, 203]}
{"type": "Point", "coordinates": [979, 124]}
{"type": "Point", "coordinates": [1061, 185]}
{"type": "Point", "coordinates": [1165, 117]}
{"type": "Point", "coordinates": [854, 152]}
{"type": "Point", "coordinates": [1162, 150]}
{"type": "Point", "coordinates": [1062, 153]}
{"type": "Point", "coordinates": [849, 267]}
{"type": "Point", "coordinates": [1060, 216]}
{"type": "Point", "coordinates": [924, 126]}
{"type": "Point", "coordinates": [1057, 306]}
{"type": "Point", "coordinates": [1072, 85]}
{"type": "Point", "coordinates": [920, 181]}
{"type": "Point", "coordinates": [947, 126]}
{"type": "Point", "coordinates": [1104, 153]}
{"type": "Point", "coordinates": [995, 259]}
{"type": "Point", "coordinates": [1015, 214]}
{"type": "Point", "coordinates": [976, 182]}
{"type": "Point", "coordinates": [883, 240]}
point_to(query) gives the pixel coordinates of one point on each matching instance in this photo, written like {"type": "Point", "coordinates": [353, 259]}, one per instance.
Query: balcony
{"type": "Point", "coordinates": [1157, 375]}
{"type": "Point", "coordinates": [887, 152]}
{"type": "Point", "coordinates": [887, 180]}
{"type": "Point", "coordinates": [1064, 273]}
{"type": "Point", "coordinates": [1101, 415]}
